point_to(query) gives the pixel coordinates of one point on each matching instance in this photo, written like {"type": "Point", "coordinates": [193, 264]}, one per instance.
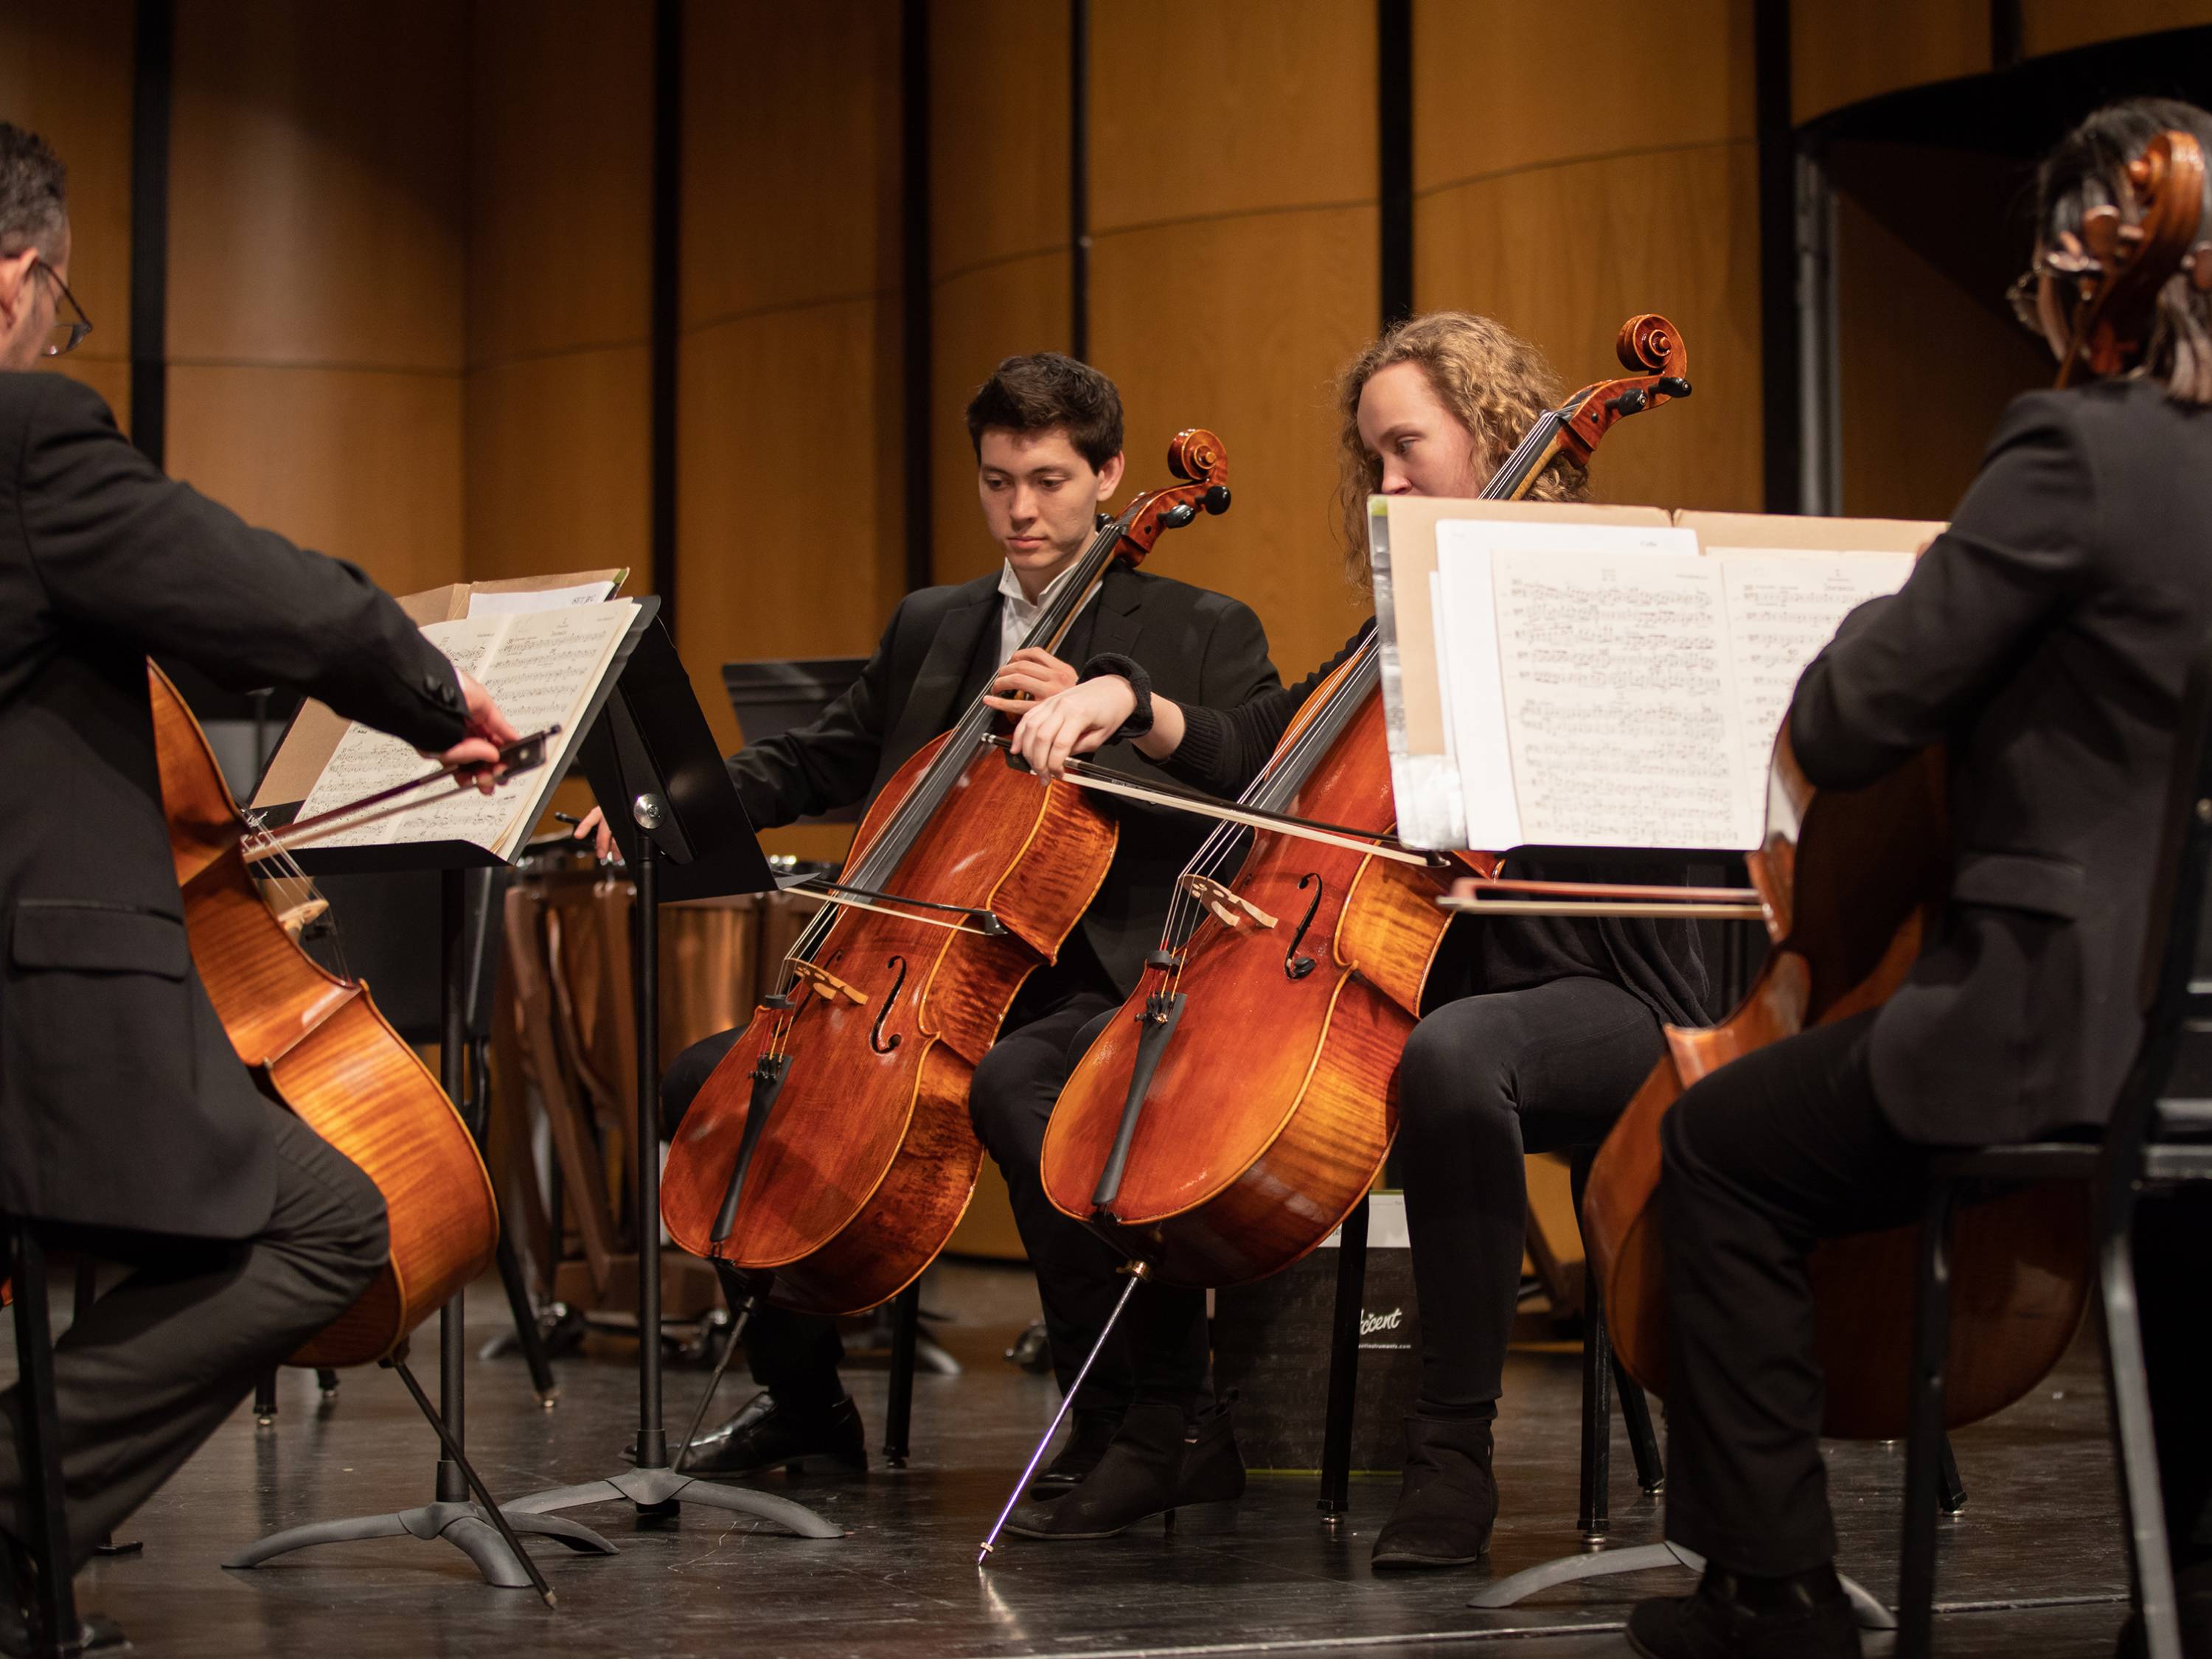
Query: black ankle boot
{"type": "Point", "coordinates": [1155, 1465]}
{"type": "Point", "coordinates": [1087, 1441]}
{"type": "Point", "coordinates": [1449, 1501]}
{"type": "Point", "coordinates": [1735, 1616]}
{"type": "Point", "coordinates": [767, 1432]}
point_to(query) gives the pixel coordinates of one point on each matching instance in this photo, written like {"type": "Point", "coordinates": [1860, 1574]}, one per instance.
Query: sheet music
{"type": "Point", "coordinates": [1782, 607]}
{"type": "Point", "coordinates": [1619, 700]}
{"type": "Point", "coordinates": [540, 666]}
{"type": "Point", "coordinates": [513, 602]}
{"type": "Point", "coordinates": [1468, 654]}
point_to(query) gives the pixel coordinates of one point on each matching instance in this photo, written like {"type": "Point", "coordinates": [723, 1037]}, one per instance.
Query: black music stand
{"type": "Point", "coordinates": [470, 1527]}
{"type": "Point", "coordinates": [666, 793]}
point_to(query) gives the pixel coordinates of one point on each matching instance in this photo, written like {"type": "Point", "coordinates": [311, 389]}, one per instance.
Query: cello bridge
{"type": "Point", "coordinates": [1230, 908]}
{"type": "Point", "coordinates": [827, 985]}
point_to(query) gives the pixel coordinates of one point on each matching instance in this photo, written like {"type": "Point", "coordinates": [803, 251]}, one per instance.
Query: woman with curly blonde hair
{"type": "Point", "coordinates": [1536, 1031]}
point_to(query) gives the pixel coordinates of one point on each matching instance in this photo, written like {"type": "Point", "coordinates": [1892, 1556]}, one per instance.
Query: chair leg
{"type": "Point", "coordinates": [906, 1329]}
{"type": "Point", "coordinates": [1593, 1505]}
{"type": "Point", "coordinates": [1643, 1441]}
{"type": "Point", "coordinates": [1951, 1490]}
{"type": "Point", "coordinates": [54, 1600]}
{"type": "Point", "coordinates": [1344, 1362]}
{"type": "Point", "coordinates": [2127, 1389]}
{"type": "Point", "coordinates": [1923, 1451]}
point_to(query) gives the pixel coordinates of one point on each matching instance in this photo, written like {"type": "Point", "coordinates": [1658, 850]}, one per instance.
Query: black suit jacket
{"type": "Point", "coordinates": [121, 1102]}
{"type": "Point", "coordinates": [1200, 648]}
{"type": "Point", "coordinates": [2044, 640]}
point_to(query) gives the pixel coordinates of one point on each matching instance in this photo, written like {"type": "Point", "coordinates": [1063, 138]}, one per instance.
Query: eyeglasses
{"type": "Point", "coordinates": [66, 336]}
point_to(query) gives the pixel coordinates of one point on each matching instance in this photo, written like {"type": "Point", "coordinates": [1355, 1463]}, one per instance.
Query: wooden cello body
{"type": "Point", "coordinates": [831, 1148]}
{"type": "Point", "coordinates": [1242, 1100]}
{"type": "Point", "coordinates": [866, 1161]}
{"type": "Point", "coordinates": [1850, 879]}
{"type": "Point", "coordinates": [1270, 1102]}
{"type": "Point", "coordinates": [316, 1044]}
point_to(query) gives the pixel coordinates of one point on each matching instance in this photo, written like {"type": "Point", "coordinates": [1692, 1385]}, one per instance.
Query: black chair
{"type": "Point", "coordinates": [54, 1624]}
{"type": "Point", "coordinates": [2151, 1138]}
{"type": "Point", "coordinates": [1603, 1380]}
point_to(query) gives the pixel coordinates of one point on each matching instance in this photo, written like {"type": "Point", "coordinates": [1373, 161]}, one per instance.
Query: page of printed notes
{"type": "Point", "coordinates": [1619, 702]}
{"type": "Point", "coordinates": [1782, 607]}
{"type": "Point", "coordinates": [1466, 626]}
{"type": "Point", "coordinates": [541, 668]}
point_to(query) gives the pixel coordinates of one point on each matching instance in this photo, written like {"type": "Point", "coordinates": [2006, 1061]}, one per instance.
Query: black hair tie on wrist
{"type": "Point", "coordinates": [1141, 718]}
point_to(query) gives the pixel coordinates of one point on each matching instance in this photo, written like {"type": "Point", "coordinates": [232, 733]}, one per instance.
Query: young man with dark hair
{"type": "Point", "coordinates": [1047, 432]}
{"type": "Point", "coordinates": [128, 1129]}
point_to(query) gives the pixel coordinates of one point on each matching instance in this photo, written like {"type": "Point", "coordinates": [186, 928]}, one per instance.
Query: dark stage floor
{"type": "Point", "coordinates": [2033, 1567]}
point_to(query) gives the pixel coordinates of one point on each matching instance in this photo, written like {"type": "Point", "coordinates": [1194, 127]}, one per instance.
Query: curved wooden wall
{"type": "Point", "coordinates": [999, 225]}
{"type": "Point", "coordinates": [65, 74]}
{"type": "Point", "coordinates": [2058, 24]}
{"type": "Point", "coordinates": [316, 227]}
{"type": "Point", "coordinates": [1600, 171]}
{"type": "Point", "coordinates": [789, 493]}
{"type": "Point", "coordinates": [559, 246]}
{"type": "Point", "coordinates": [1234, 267]}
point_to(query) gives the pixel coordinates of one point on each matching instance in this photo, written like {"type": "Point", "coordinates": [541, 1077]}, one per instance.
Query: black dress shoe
{"type": "Point", "coordinates": [766, 1433]}
{"type": "Point", "coordinates": [1155, 1465]}
{"type": "Point", "coordinates": [1448, 1502]}
{"type": "Point", "coordinates": [1807, 1616]}
{"type": "Point", "coordinates": [1087, 1441]}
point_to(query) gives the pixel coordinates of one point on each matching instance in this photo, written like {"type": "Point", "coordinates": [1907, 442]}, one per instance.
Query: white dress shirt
{"type": "Point", "coordinates": [1016, 617]}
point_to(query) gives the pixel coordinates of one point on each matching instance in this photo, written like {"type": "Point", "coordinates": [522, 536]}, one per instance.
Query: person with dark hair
{"type": "Point", "coordinates": [128, 1128]}
{"type": "Point", "coordinates": [1535, 1032]}
{"type": "Point", "coordinates": [2044, 640]}
{"type": "Point", "coordinates": [1047, 434]}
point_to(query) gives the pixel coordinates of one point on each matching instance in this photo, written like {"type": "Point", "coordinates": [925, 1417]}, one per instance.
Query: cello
{"type": "Point", "coordinates": [831, 1148]}
{"type": "Point", "coordinates": [1852, 881]}
{"type": "Point", "coordinates": [1214, 1160]}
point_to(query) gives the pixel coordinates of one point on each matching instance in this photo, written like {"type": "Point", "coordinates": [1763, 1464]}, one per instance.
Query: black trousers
{"type": "Point", "coordinates": [795, 1356]}
{"type": "Point", "coordinates": [1484, 1080]}
{"type": "Point", "coordinates": [1762, 1160]}
{"type": "Point", "coordinates": [1159, 1351]}
{"type": "Point", "coordinates": [157, 1364]}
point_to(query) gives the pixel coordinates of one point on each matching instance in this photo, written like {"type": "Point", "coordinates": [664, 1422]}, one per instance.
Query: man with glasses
{"type": "Point", "coordinates": [128, 1129]}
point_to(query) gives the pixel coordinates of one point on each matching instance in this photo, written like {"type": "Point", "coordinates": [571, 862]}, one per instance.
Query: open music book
{"type": "Point", "coordinates": [543, 667]}
{"type": "Point", "coordinates": [1604, 677]}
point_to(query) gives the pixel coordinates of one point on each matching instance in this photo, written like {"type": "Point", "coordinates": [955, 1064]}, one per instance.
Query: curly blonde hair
{"type": "Point", "coordinates": [1495, 382]}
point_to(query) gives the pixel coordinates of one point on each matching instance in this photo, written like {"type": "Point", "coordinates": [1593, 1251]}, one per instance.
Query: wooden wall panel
{"type": "Point", "coordinates": [2059, 25]}
{"type": "Point", "coordinates": [1610, 170]}
{"type": "Point", "coordinates": [317, 202]}
{"type": "Point", "coordinates": [1591, 244]}
{"type": "Point", "coordinates": [1238, 106]}
{"type": "Point", "coordinates": [317, 184]}
{"type": "Point", "coordinates": [1501, 88]}
{"type": "Point", "coordinates": [977, 318]}
{"type": "Point", "coordinates": [1840, 54]}
{"type": "Point", "coordinates": [1921, 395]}
{"type": "Point", "coordinates": [559, 278]}
{"type": "Point", "coordinates": [556, 466]}
{"type": "Point", "coordinates": [361, 465]}
{"type": "Point", "coordinates": [560, 168]}
{"type": "Point", "coordinates": [1254, 361]}
{"type": "Point", "coordinates": [65, 73]}
{"type": "Point", "coordinates": [999, 264]}
{"type": "Point", "coordinates": [790, 521]}
{"type": "Point", "coordinates": [997, 132]}
{"type": "Point", "coordinates": [1234, 267]}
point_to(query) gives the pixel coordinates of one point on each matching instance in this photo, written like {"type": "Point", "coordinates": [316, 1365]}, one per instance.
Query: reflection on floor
{"type": "Point", "coordinates": [2033, 1564]}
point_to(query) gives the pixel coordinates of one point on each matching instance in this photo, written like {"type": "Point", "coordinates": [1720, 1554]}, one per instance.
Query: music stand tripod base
{"type": "Point", "coordinates": [462, 1525]}
{"type": "Point", "coordinates": [1605, 1564]}
{"type": "Point", "coordinates": [651, 1490]}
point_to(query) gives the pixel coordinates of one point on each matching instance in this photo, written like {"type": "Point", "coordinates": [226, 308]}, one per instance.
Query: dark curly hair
{"type": "Point", "coordinates": [33, 197]}
{"type": "Point", "coordinates": [1048, 389]}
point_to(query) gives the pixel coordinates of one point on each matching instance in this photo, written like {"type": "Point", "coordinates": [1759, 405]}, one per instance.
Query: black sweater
{"type": "Point", "coordinates": [1657, 961]}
